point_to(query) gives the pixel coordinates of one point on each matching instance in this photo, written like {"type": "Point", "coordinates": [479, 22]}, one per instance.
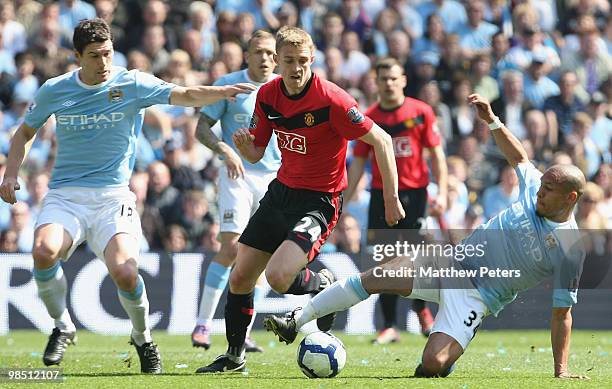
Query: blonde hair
{"type": "Point", "coordinates": [456, 162]}
{"type": "Point", "coordinates": [293, 36]}
{"type": "Point", "coordinates": [180, 56]}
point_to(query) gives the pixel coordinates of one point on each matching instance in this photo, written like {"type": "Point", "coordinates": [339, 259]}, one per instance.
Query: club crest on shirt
{"type": "Point", "coordinates": [355, 116]}
{"type": "Point", "coordinates": [309, 119]}
{"type": "Point", "coordinates": [413, 122]}
{"type": "Point", "coordinates": [228, 216]}
{"type": "Point", "coordinates": [31, 107]}
{"type": "Point", "coordinates": [115, 95]}
{"type": "Point", "coordinates": [550, 241]}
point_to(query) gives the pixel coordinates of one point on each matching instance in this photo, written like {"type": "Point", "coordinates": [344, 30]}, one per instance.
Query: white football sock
{"type": "Point", "coordinates": [52, 287]}
{"type": "Point", "coordinates": [338, 296]}
{"type": "Point", "coordinates": [215, 282]}
{"type": "Point", "coordinates": [136, 305]}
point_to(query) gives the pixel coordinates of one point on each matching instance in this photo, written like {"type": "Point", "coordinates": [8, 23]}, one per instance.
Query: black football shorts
{"type": "Point", "coordinates": [303, 216]}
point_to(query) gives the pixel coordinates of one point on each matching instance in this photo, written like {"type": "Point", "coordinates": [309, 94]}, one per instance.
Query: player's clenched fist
{"type": "Point", "coordinates": [483, 107]}
{"type": "Point", "coordinates": [8, 188]}
{"type": "Point", "coordinates": [394, 212]}
{"type": "Point", "coordinates": [243, 138]}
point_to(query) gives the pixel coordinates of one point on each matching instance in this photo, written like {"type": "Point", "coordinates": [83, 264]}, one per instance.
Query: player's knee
{"type": "Point", "coordinates": [279, 281]}
{"type": "Point", "coordinates": [241, 281]}
{"type": "Point", "coordinates": [44, 254]}
{"type": "Point", "coordinates": [433, 365]}
{"type": "Point", "coordinates": [125, 277]}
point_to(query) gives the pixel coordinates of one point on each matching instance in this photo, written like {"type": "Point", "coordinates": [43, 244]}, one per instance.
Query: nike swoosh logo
{"type": "Point", "coordinates": [274, 117]}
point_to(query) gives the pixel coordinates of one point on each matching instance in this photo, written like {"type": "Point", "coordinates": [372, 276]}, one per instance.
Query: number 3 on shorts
{"type": "Point", "coordinates": [470, 321]}
{"type": "Point", "coordinates": [303, 226]}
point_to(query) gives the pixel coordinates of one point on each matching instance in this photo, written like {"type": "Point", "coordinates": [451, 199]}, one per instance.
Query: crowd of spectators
{"type": "Point", "coordinates": [544, 64]}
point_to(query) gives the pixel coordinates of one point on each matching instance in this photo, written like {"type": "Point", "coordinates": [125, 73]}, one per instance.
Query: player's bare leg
{"type": "Point", "coordinates": [250, 263]}
{"type": "Point", "coordinates": [52, 242]}
{"type": "Point", "coordinates": [375, 281]}
{"type": "Point", "coordinates": [285, 263]}
{"type": "Point", "coordinates": [217, 277]}
{"type": "Point", "coordinates": [121, 255]}
{"type": "Point", "coordinates": [439, 356]}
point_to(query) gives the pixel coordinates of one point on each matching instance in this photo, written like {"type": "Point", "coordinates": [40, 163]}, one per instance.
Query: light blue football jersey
{"type": "Point", "coordinates": [518, 239]}
{"type": "Point", "coordinates": [237, 114]}
{"type": "Point", "coordinates": [97, 126]}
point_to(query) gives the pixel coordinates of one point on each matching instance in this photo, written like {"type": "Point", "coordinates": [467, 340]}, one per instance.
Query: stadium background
{"type": "Point", "coordinates": [174, 284]}
{"type": "Point", "coordinates": [196, 42]}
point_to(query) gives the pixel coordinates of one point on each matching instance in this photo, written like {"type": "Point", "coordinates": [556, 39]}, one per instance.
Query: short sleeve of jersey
{"type": "Point", "coordinates": [150, 90]}
{"type": "Point", "coordinates": [431, 137]}
{"type": "Point", "coordinates": [260, 126]}
{"type": "Point", "coordinates": [564, 298]}
{"type": "Point", "coordinates": [215, 111]}
{"type": "Point", "coordinates": [40, 110]}
{"type": "Point", "coordinates": [529, 179]}
{"type": "Point", "coordinates": [346, 118]}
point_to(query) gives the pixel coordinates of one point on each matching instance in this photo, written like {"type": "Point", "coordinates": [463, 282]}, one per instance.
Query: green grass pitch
{"type": "Point", "coordinates": [495, 359]}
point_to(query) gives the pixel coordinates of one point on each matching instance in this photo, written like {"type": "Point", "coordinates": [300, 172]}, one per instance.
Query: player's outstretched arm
{"type": "Point", "coordinates": [385, 158]}
{"type": "Point", "coordinates": [354, 175]}
{"type": "Point", "coordinates": [509, 145]}
{"type": "Point", "coordinates": [19, 145]}
{"type": "Point", "coordinates": [560, 334]}
{"type": "Point", "coordinates": [197, 96]}
{"type": "Point", "coordinates": [243, 139]}
{"type": "Point", "coordinates": [207, 137]}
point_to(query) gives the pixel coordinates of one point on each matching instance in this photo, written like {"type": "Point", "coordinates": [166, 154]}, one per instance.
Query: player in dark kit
{"type": "Point", "coordinates": [412, 126]}
{"type": "Point", "coordinates": [313, 120]}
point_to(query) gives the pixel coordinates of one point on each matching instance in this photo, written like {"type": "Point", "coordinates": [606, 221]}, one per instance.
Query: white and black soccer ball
{"type": "Point", "coordinates": [321, 355]}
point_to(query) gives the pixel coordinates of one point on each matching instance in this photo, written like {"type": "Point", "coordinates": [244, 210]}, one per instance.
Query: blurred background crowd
{"type": "Point", "coordinates": [544, 64]}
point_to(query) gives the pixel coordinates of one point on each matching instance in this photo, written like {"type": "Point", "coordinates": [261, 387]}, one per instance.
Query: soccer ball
{"type": "Point", "coordinates": [321, 355]}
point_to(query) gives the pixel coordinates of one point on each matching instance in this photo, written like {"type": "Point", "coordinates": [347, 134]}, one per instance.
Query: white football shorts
{"type": "Point", "coordinates": [460, 311]}
{"type": "Point", "coordinates": [94, 215]}
{"type": "Point", "coordinates": [239, 199]}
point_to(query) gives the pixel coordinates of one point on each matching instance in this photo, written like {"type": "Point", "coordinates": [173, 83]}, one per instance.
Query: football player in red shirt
{"type": "Point", "coordinates": [313, 120]}
{"type": "Point", "coordinates": [412, 126]}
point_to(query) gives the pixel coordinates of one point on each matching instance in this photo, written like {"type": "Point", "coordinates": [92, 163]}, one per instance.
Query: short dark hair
{"type": "Point", "coordinates": [386, 64]}
{"type": "Point", "coordinates": [90, 31]}
{"type": "Point", "coordinates": [22, 57]}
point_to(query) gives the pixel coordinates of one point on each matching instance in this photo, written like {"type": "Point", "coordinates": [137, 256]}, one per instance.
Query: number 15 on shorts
{"type": "Point", "coordinates": [126, 211]}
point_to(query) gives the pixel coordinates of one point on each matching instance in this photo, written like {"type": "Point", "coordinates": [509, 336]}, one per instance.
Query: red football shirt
{"type": "Point", "coordinates": [312, 131]}
{"type": "Point", "coordinates": [412, 127]}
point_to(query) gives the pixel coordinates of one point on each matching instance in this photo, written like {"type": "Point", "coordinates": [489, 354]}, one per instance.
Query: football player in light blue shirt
{"type": "Point", "coordinates": [99, 111]}
{"type": "Point", "coordinates": [241, 184]}
{"type": "Point", "coordinates": [536, 236]}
